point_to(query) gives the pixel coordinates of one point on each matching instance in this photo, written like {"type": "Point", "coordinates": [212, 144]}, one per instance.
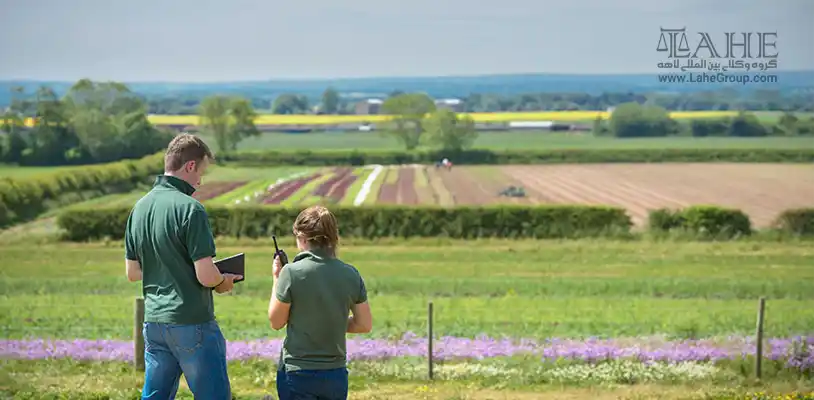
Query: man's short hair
{"type": "Point", "coordinates": [183, 149]}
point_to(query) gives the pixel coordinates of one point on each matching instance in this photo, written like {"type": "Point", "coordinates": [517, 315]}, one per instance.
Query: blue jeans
{"type": "Point", "coordinates": [327, 384]}
{"type": "Point", "coordinates": [199, 351]}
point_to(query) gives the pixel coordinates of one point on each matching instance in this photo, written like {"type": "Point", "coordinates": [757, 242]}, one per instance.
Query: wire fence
{"type": "Point", "coordinates": [418, 330]}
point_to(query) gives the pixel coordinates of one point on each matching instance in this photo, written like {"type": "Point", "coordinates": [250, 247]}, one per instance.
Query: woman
{"type": "Point", "coordinates": [314, 295]}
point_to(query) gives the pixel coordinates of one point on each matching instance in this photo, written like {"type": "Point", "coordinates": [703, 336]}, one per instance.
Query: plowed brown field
{"type": "Point", "coordinates": [760, 190]}
{"type": "Point", "coordinates": [401, 192]}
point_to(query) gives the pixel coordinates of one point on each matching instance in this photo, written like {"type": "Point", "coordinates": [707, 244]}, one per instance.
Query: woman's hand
{"type": "Point", "coordinates": [278, 266]}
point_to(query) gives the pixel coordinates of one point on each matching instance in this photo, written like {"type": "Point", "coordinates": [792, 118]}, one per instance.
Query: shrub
{"type": "Point", "coordinates": [381, 221]}
{"type": "Point", "coordinates": [704, 221]}
{"type": "Point", "coordinates": [24, 198]}
{"type": "Point", "coordinates": [799, 221]}
{"type": "Point", "coordinates": [478, 156]}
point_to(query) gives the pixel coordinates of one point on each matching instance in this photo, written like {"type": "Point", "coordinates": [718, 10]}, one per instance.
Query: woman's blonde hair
{"type": "Point", "coordinates": [318, 226]}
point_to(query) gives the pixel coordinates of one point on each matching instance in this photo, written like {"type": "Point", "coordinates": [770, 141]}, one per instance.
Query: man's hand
{"type": "Point", "coordinates": [228, 283]}
{"type": "Point", "coordinates": [279, 263]}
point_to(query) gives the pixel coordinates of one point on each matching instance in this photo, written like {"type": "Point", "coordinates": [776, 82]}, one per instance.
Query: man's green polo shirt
{"type": "Point", "coordinates": [167, 231]}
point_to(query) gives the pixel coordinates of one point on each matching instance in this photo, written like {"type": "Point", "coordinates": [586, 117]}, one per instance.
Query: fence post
{"type": "Point", "coordinates": [429, 340]}
{"type": "Point", "coordinates": [759, 346]}
{"type": "Point", "coordinates": [138, 334]}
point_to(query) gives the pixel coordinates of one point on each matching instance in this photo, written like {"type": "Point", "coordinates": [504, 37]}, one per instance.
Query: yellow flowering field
{"type": "Point", "coordinates": [277, 119]}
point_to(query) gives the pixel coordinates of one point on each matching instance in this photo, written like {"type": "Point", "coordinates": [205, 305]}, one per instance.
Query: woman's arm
{"type": "Point", "coordinates": [361, 321]}
{"type": "Point", "coordinates": [280, 302]}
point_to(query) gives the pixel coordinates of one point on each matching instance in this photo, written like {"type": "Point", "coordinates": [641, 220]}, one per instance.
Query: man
{"type": "Point", "coordinates": [170, 247]}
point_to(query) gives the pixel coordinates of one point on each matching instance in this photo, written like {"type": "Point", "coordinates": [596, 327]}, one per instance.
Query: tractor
{"type": "Point", "coordinates": [513, 191]}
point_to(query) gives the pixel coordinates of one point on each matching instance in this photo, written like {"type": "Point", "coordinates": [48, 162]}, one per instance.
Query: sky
{"type": "Point", "coordinates": [243, 40]}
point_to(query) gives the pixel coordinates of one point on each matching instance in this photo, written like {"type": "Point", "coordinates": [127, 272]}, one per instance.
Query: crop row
{"type": "Point", "coordinates": [548, 221]}
{"type": "Point", "coordinates": [331, 186]}
{"type": "Point", "coordinates": [215, 189]}
{"type": "Point", "coordinates": [282, 191]}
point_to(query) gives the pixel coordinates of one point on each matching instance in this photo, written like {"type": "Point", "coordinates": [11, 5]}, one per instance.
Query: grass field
{"type": "Point", "coordinates": [512, 140]}
{"type": "Point", "coordinates": [634, 293]}
{"type": "Point", "coordinates": [564, 289]}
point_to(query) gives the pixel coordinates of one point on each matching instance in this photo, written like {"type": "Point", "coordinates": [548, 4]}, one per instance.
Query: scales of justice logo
{"type": "Point", "coordinates": [750, 51]}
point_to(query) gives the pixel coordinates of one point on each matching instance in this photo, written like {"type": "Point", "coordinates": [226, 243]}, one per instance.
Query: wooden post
{"type": "Point", "coordinates": [138, 334]}
{"type": "Point", "coordinates": [759, 346]}
{"type": "Point", "coordinates": [429, 340]}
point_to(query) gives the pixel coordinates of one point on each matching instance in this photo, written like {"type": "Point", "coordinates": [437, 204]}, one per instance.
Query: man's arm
{"type": "Point", "coordinates": [132, 267]}
{"type": "Point", "coordinates": [201, 246]}
{"type": "Point", "coordinates": [133, 270]}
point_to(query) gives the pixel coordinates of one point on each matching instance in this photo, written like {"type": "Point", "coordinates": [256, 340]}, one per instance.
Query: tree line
{"type": "Point", "coordinates": [92, 123]}
{"type": "Point", "coordinates": [98, 122]}
{"type": "Point", "coordinates": [417, 122]}
{"type": "Point", "coordinates": [331, 102]}
{"type": "Point", "coordinates": [648, 120]}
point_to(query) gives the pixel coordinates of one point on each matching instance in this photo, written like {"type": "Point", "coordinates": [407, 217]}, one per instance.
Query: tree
{"type": "Point", "coordinates": [52, 139]}
{"type": "Point", "coordinates": [111, 122]}
{"type": "Point", "coordinates": [228, 119]}
{"type": "Point", "coordinates": [598, 128]}
{"type": "Point", "coordinates": [787, 123]}
{"type": "Point", "coordinates": [330, 101]}
{"type": "Point", "coordinates": [636, 120]}
{"type": "Point", "coordinates": [746, 125]}
{"type": "Point", "coordinates": [290, 104]}
{"type": "Point", "coordinates": [13, 144]}
{"type": "Point", "coordinates": [447, 131]}
{"type": "Point", "coordinates": [407, 111]}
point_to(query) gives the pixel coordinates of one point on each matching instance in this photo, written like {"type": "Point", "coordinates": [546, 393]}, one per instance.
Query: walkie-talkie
{"type": "Point", "coordinates": [278, 252]}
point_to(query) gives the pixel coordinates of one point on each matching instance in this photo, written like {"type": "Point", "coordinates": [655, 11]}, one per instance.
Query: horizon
{"type": "Point", "coordinates": [373, 77]}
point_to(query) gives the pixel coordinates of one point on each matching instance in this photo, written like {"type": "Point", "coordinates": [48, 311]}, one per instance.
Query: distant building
{"type": "Point", "coordinates": [456, 105]}
{"type": "Point", "coordinates": [369, 107]}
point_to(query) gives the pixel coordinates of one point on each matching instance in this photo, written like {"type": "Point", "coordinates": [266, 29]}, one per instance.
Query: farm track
{"type": "Point", "coordinates": [760, 190]}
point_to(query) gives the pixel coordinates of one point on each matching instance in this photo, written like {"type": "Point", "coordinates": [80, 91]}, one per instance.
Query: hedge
{"type": "Point", "coordinates": [24, 198]}
{"type": "Point", "coordinates": [355, 157]}
{"type": "Point", "coordinates": [706, 221]}
{"type": "Point", "coordinates": [549, 221]}
{"type": "Point", "coordinates": [799, 221]}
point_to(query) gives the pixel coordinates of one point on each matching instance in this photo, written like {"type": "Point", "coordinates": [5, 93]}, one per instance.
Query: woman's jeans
{"type": "Point", "coordinates": [199, 351]}
{"type": "Point", "coordinates": [326, 384]}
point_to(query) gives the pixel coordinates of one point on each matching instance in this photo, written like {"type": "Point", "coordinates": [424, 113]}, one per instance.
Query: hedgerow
{"type": "Point", "coordinates": [472, 157]}
{"type": "Point", "coordinates": [703, 221]}
{"type": "Point", "coordinates": [24, 198]}
{"type": "Point", "coordinates": [798, 221]}
{"type": "Point", "coordinates": [382, 221]}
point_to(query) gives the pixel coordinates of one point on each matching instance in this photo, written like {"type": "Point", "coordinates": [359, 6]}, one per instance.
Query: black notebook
{"type": "Point", "coordinates": [235, 264]}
